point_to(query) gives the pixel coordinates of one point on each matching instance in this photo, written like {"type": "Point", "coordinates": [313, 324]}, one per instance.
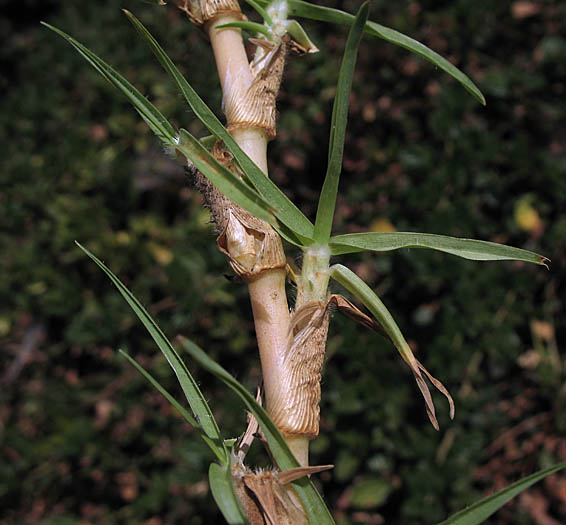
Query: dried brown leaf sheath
{"type": "Point", "coordinates": [201, 11]}
{"type": "Point", "coordinates": [254, 107]}
{"type": "Point", "coordinates": [251, 245]}
{"type": "Point", "coordinates": [266, 501]}
{"type": "Point", "coordinates": [294, 407]}
{"type": "Point", "coordinates": [293, 403]}
{"type": "Point", "coordinates": [267, 497]}
{"type": "Point", "coordinates": [247, 104]}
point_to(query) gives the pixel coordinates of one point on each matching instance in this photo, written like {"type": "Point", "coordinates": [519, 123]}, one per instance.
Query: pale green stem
{"type": "Point", "coordinates": [267, 292]}
{"type": "Point", "coordinates": [315, 273]}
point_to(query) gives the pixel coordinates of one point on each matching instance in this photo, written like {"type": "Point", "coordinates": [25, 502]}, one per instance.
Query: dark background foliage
{"type": "Point", "coordinates": [84, 439]}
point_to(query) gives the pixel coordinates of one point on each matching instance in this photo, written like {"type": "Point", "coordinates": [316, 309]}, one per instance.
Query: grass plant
{"type": "Point", "coordinates": [256, 221]}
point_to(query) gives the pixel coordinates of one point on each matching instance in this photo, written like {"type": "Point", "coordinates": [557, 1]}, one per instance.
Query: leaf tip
{"type": "Point", "coordinates": [544, 261]}
{"type": "Point", "coordinates": [416, 367]}
{"type": "Point", "coordinates": [85, 251]}
{"type": "Point", "coordinates": [48, 26]}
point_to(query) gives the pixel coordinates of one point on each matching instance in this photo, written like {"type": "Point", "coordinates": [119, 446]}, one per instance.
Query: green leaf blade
{"type": "Point", "coordinates": [483, 509]}
{"type": "Point", "coordinates": [194, 396]}
{"type": "Point", "coordinates": [355, 285]}
{"type": "Point", "coordinates": [471, 249]}
{"type": "Point", "coordinates": [373, 303]}
{"type": "Point", "coordinates": [227, 182]}
{"type": "Point", "coordinates": [158, 123]}
{"type": "Point", "coordinates": [410, 44]}
{"type": "Point", "coordinates": [263, 13]}
{"type": "Point", "coordinates": [284, 209]}
{"type": "Point", "coordinates": [327, 202]}
{"type": "Point", "coordinates": [300, 35]}
{"type": "Point", "coordinates": [220, 480]}
{"type": "Point", "coordinates": [172, 401]}
{"type": "Point", "coordinates": [317, 511]}
{"type": "Point", "coordinates": [218, 450]}
{"type": "Point", "coordinates": [250, 27]}
{"type": "Point", "coordinates": [327, 14]}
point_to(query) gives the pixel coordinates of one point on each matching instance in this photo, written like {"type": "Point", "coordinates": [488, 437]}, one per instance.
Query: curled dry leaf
{"type": "Point", "coordinates": [266, 45]}
{"type": "Point", "coordinates": [417, 368]}
{"type": "Point", "coordinates": [298, 49]}
{"type": "Point", "coordinates": [267, 497]}
{"type": "Point", "coordinates": [353, 312]}
{"type": "Point", "coordinates": [347, 308]}
{"type": "Point", "coordinates": [265, 500]}
{"type": "Point", "coordinates": [293, 474]}
{"type": "Point", "coordinates": [303, 361]}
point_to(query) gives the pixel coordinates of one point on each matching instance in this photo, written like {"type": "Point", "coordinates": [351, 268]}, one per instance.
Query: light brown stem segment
{"type": "Point", "coordinates": [254, 142]}
{"type": "Point", "coordinates": [295, 406]}
{"type": "Point", "coordinates": [271, 318]}
{"type": "Point", "coordinates": [267, 289]}
{"type": "Point", "coordinates": [299, 446]}
{"type": "Point", "coordinates": [231, 59]}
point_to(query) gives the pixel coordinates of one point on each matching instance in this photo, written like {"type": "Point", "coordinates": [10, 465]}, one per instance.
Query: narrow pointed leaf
{"type": "Point", "coordinates": [208, 142]}
{"type": "Point", "coordinates": [373, 303]}
{"type": "Point", "coordinates": [483, 509]}
{"type": "Point", "coordinates": [250, 27]}
{"type": "Point", "coordinates": [317, 511]}
{"type": "Point", "coordinates": [289, 235]}
{"type": "Point", "coordinates": [216, 449]}
{"type": "Point", "coordinates": [327, 201]}
{"type": "Point", "coordinates": [263, 13]}
{"type": "Point", "coordinates": [227, 182]}
{"type": "Point", "coordinates": [220, 479]}
{"type": "Point", "coordinates": [349, 280]}
{"type": "Point", "coordinates": [467, 248]}
{"type": "Point", "coordinates": [335, 16]}
{"type": "Point", "coordinates": [283, 208]}
{"type": "Point", "coordinates": [277, 444]}
{"type": "Point", "coordinates": [158, 123]}
{"type": "Point", "coordinates": [410, 44]}
{"type": "Point", "coordinates": [172, 401]}
{"type": "Point", "coordinates": [300, 35]}
{"type": "Point", "coordinates": [154, 127]}
{"type": "Point", "coordinates": [191, 390]}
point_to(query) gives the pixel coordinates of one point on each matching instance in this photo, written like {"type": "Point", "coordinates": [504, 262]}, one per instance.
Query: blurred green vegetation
{"type": "Point", "coordinates": [84, 439]}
